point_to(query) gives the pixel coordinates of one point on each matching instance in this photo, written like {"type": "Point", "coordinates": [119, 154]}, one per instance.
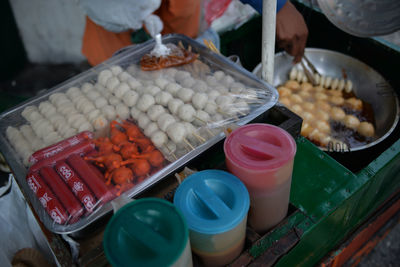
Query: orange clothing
{"type": "Point", "coordinates": [178, 17]}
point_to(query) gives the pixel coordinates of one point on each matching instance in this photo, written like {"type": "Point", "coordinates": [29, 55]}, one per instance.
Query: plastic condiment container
{"type": "Point", "coordinates": [261, 156]}
{"type": "Point", "coordinates": [215, 205]}
{"type": "Point", "coordinates": [147, 232]}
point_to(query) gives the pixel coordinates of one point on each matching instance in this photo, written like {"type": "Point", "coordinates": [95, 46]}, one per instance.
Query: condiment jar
{"type": "Point", "coordinates": [215, 205]}
{"type": "Point", "coordinates": [147, 232]}
{"type": "Point", "coordinates": [261, 156]}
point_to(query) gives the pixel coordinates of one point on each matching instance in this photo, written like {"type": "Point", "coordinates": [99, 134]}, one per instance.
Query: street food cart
{"type": "Point", "coordinates": [334, 194]}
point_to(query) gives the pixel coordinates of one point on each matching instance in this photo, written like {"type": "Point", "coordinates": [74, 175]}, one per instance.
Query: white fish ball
{"type": "Point", "coordinates": [188, 82]}
{"type": "Point", "coordinates": [92, 115]}
{"type": "Point", "coordinates": [143, 121]}
{"type": "Point", "coordinates": [180, 75]}
{"type": "Point", "coordinates": [135, 113]}
{"type": "Point", "coordinates": [100, 102]}
{"type": "Point", "coordinates": [27, 111]}
{"type": "Point", "coordinates": [109, 112]}
{"type": "Point", "coordinates": [72, 90]}
{"type": "Point", "coordinates": [221, 89]}
{"type": "Point", "coordinates": [87, 108]}
{"type": "Point", "coordinates": [172, 88]}
{"type": "Point", "coordinates": [164, 121]}
{"type": "Point", "coordinates": [219, 74]}
{"type": "Point", "coordinates": [145, 102]}
{"type": "Point", "coordinates": [174, 105]}
{"type": "Point", "coordinates": [93, 95]}
{"type": "Point", "coordinates": [152, 90]}
{"type": "Point", "coordinates": [155, 111]}
{"type": "Point", "coordinates": [104, 75]}
{"type": "Point", "coordinates": [133, 83]}
{"type": "Point", "coordinates": [223, 100]}
{"type": "Point", "coordinates": [151, 128]}
{"type": "Point", "coordinates": [185, 94]}
{"type": "Point", "coordinates": [199, 100]}
{"type": "Point", "coordinates": [200, 86]}
{"type": "Point", "coordinates": [124, 76]}
{"type": "Point", "coordinates": [116, 70]}
{"type": "Point", "coordinates": [210, 108]}
{"type": "Point", "coordinates": [46, 108]}
{"type": "Point", "coordinates": [122, 111]}
{"type": "Point", "coordinates": [186, 112]}
{"type": "Point", "coordinates": [212, 95]}
{"type": "Point", "coordinates": [86, 87]}
{"type": "Point", "coordinates": [163, 98]}
{"type": "Point", "coordinates": [121, 89]}
{"type": "Point", "coordinates": [161, 82]}
{"type": "Point", "coordinates": [227, 80]}
{"type": "Point", "coordinates": [70, 132]}
{"type": "Point", "coordinates": [211, 81]}
{"type": "Point", "coordinates": [130, 98]}
{"type": "Point", "coordinates": [176, 132]}
{"type": "Point", "coordinates": [112, 83]}
{"type": "Point", "coordinates": [201, 118]}
{"type": "Point", "coordinates": [76, 117]}
{"type": "Point", "coordinates": [86, 126]}
{"type": "Point", "coordinates": [114, 100]}
{"type": "Point", "coordinates": [159, 138]}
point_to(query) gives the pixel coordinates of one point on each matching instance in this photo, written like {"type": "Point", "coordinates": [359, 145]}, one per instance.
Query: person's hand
{"type": "Point", "coordinates": [291, 31]}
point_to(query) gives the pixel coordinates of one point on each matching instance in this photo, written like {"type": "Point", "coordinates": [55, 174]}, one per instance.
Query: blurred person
{"type": "Point", "coordinates": [112, 25]}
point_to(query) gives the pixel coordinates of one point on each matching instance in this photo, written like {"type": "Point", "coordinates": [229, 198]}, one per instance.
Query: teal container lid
{"type": "Point", "coordinates": [212, 201]}
{"type": "Point", "coordinates": [146, 232]}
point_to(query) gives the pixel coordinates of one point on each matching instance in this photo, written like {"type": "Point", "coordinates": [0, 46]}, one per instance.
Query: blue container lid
{"type": "Point", "coordinates": [212, 201]}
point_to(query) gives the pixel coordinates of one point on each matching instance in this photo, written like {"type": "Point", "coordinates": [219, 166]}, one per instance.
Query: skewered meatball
{"type": "Point", "coordinates": [186, 112]}
{"type": "Point", "coordinates": [121, 89]}
{"type": "Point", "coordinates": [337, 114]}
{"type": "Point", "coordinates": [164, 121]}
{"type": "Point", "coordinates": [104, 75]}
{"type": "Point", "coordinates": [351, 122]}
{"type": "Point", "coordinates": [292, 85]}
{"type": "Point", "coordinates": [143, 121]}
{"type": "Point", "coordinates": [159, 138]}
{"type": "Point", "coordinates": [163, 98]}
{"type": "Point", "coordinates": [130, 98]}
{"type": "Point", "coordinates": [112, 83]}
{"type": "Point", "coordinates": [366, 129]}
{"type": "Point", "coordinates": [109, 112]}
{"type": "Point", "coordinates": [174, 105]}
{"type": "Point", "coordinates": [185, 94]}
{"type": "Point", "coordinates": [122, 111]}
{"type": "Point", "coordinates": [155, 111]}
{"type": "Point", "coordinates": [284, 92]}
{"type": "Point", "coordinates": [151, 128]}
{"type": "Point", "coordinates": [177, 132]}
{"type": "Point", "coordinates": [172, 88]}
{"type": "Point", "coordinates": [199, 100]}
{"type": "Point", "coordinates": [145, 102]}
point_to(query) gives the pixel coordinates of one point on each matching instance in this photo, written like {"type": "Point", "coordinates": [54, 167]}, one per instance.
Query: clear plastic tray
{"type": "Point", "coordinates": [262, 98]}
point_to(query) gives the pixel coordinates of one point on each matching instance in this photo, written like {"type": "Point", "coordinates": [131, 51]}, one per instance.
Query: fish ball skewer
{"type": "Point", "coordinates": [130, 98]}
{"type": "Point", "coordinates": [164, 121]}
{"type": "Point", "coordinates": [199, 100]}
{"type": "Point", "coordinates": [163, 98]}
{"type": "Point", "coordinates": [174, 105]}
{"type": "Point", "coordinates": [159, 138]}
{"type": "Point", "coordinates": [145, 102]}
{"type": "Point", "coordinates": [143, 121]}
{"type": "Point", "coordinates": [155, 111]}
{"type": "Point", "coordinates": [172, 88]}
{"type": "Point", "coordinates": [185, 94]}
{"type": "Point", "coordinates": [151, 128]}
{"type": "Point", "coordinates": [186, 112]}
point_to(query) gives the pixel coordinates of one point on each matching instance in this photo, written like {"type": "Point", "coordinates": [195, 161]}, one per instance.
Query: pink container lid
{"type": "Point", "coordinates": [259, 147]}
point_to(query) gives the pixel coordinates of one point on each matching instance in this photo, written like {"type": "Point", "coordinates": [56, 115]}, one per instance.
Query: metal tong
{"type": "Point", "coordinates": [309, 70]}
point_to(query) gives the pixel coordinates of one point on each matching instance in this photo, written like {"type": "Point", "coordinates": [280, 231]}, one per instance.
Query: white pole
{"type": "Point", "coordinates": [268, 40]}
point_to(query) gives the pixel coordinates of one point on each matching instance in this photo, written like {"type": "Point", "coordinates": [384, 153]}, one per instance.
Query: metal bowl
{"type": "Point", "coordinates": [368, 85]}
{"type": "Point", "coordinates": [363, 18]}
